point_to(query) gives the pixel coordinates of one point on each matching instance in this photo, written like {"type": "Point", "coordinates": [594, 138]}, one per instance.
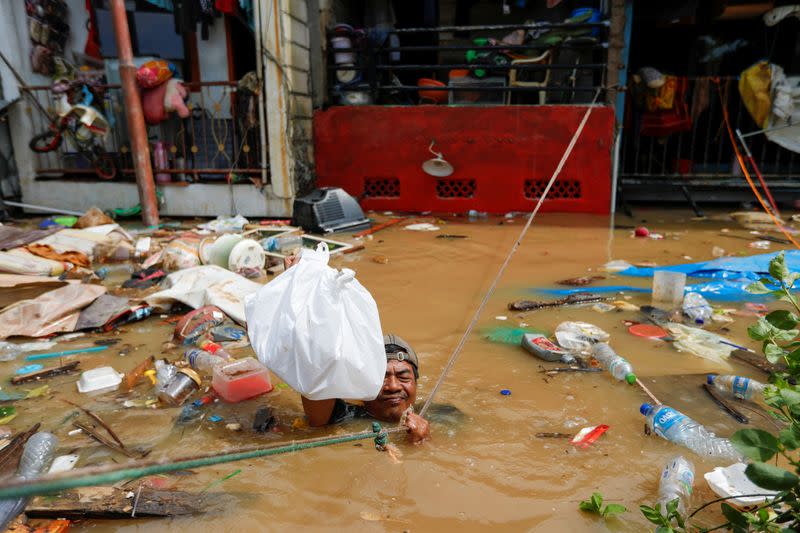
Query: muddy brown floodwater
{"type": "Point", "coordinates": [484, 469]}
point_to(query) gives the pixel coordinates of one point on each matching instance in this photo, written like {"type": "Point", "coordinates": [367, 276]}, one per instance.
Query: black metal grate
{"type": "Point", "coordinates": [381, 187]}
{"type": "Point", "coordinates": [561, 189]}
{"type": "Point", "coordinates": [455, 188]}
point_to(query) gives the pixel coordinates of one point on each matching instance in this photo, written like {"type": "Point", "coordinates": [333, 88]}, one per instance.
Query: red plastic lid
{"type": "Point", "coordinates": [647, 330]}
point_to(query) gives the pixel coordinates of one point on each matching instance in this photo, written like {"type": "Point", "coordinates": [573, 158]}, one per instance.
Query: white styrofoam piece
{"type": "Point", "coordinates": [102, 378]}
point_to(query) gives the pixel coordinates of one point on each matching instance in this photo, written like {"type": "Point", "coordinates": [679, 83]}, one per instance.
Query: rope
{"type": "Point", "coordinates": [647, 391]}
{"type": "Point", "coordinates": [493, 286]}
{"type": "Point", "coordinates": [747, 176]}
{"type": "Point", "coordinates": [103, 475]}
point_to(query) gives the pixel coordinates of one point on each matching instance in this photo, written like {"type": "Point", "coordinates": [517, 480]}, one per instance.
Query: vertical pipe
{"type": "Point", "coordinates": [140, 150]}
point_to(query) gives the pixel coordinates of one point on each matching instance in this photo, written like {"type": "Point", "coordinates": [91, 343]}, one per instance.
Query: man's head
{"type": "Point", "coordinates": [399, 391]}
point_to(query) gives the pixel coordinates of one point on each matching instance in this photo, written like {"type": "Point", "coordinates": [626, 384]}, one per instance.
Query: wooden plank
{"type": "Point", "coordinates": [110, 502]}
{"type": "Point", "coordinates": [45, 373]}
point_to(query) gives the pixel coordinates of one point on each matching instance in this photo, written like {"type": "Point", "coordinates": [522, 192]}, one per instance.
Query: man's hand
{"type": "Point", "coordinates": [418, 428]}
{"type": "Point", "coordinates": [290, 261]}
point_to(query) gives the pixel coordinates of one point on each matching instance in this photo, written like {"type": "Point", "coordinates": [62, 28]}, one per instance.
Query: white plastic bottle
{"type": "Point", "coordinates": [674, 426]}
{"type": "Point", "coordinates": [677, 479]}
{"type": "Point", "coordinates": [616, 365]}
{"type": "Point", "coordinates": [697, 308]}
{"type": "Point", "coordinates": [737, 386]}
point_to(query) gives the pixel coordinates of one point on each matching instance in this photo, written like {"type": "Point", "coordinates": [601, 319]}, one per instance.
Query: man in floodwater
{"type": "Point", "coordinates": [397, 395]}
{"type": "Point", "coordinates": [395, 400]}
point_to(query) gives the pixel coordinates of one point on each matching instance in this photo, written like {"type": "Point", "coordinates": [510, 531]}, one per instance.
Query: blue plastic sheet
{"type": "Point", "coordinates": [719, 290]}
{"type": "Point", "coordinates": [750, 268]}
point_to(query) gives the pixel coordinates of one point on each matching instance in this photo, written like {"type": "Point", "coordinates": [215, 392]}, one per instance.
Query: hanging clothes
{"type": "Point", "coordinates": [666, 109]}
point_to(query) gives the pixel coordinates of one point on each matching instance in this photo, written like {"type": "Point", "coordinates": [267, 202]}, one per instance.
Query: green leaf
{"type": "Point", "coordinates": [755, 444]}
{"type": "Point", "coordinates": [672, 506]}
{"type": "Point", "coordinates": [782, 319]}
{"type": "Point", "coordinates": [597, 500]}
{"type": "Point", "coordinates": [791, 398]}
{"type": "Point", "coordinates": [586, 505]}
{"type": "Point", "coordinates": [653, 515]}
{"type": "Point", "coordinates": [760, 330]}
{"type": "Point", "coordinates": [758, 287]}
{"type": "Point", "coordinates": [777, 267]}
{"type": "Point", "coordinates": [785, 335]}
{"type": "Point", "coordinates": [793, 276]}
{"type": "Point", "coordinates": [734, 517]}
{"type": "Point", "coordinates": [773, 352]}
{"type": "Point", "coordinates": [790, 437]}
{"type": "Point", "coordinates": [771, 477]}
{"type": "Point", "coordinates": [7, 410]}
{"type": "Point", "coordinates": [614, 508]}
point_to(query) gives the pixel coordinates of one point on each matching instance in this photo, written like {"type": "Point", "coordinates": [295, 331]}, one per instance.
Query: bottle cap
{"type": "Point", "coordinates": [645, 408]}
{"type": "Point", "coordinates": [630, 378]}
{"type": "Point", "coordinates": [710, 378]}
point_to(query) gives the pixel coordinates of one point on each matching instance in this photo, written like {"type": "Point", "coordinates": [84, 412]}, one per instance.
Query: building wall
{"type": "Point", "coordinates": [191, 200]}
{"type": "Point", "coordinates": [297, 19]}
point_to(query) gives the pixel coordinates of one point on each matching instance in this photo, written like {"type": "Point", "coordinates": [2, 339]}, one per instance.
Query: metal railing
{"type": "Point", "coordinates": [382, 74]}
{"type": "Point", "coordinates": [702, 154]}
{"type": "Point", "coordinates": [214, 144]}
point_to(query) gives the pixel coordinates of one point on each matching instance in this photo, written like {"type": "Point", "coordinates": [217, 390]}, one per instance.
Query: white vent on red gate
{"type": "Point", "coordinates": [381, 187]}
{"type": "Point", "coordinates": [455, 188]}
{"type": "Point", "coordinates": [561, 189]}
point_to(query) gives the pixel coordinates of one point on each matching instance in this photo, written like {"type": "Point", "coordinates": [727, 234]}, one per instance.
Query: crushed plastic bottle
{"type": "Point", "coordinates": [579, 337]}
{"type": "Point", "coordinates": [677, 479]}
{"type": "Point", "coordinates": [697, 308]}
{"type": "Point", "coordinates": [37, 456]}
{"type": "Point", "coordinates": [165, 373]}
{"type": "Point", "coordinates": [616, 365]}
{"type": "Point", "coordinates": [674, 426]}
{"type": "Point", "coordinates": [737, 386]}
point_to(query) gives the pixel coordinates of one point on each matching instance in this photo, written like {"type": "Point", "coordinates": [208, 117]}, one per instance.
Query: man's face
{"type": "Point", "coordinates": [399, 392]}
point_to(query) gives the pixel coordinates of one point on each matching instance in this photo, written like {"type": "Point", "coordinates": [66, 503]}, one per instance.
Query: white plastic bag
{"type": "Point", "coordinates": [318, 329]}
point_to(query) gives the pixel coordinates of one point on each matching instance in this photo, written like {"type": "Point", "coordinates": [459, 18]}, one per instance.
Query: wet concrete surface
{"type": "Point", "coordinates": [485, 469]}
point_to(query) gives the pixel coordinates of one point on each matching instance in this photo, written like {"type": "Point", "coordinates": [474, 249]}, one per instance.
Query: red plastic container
{"type": "Point", "coordinates": [241, 380]}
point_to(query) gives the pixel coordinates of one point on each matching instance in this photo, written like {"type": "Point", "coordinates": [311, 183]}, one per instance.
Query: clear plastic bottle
{"type": "Point", "coordinates": [37, 456]}
{"type": "Point", "coordinates": [737, 386]}
{"type": "Point", "coordinates": [165, 373]}
{"type": "Point", "coordinates": [677, 479]}
{"type": "Point", "coordinates": [216, 349]}
{"type": "Point", "coordinates": [616, 365]}
{"type": "Point", "coordinates": [674, 426]}
{"type": "Point", "coordinates": [202, 360]}
{"type": "Point", "coordinates": [697, 308]}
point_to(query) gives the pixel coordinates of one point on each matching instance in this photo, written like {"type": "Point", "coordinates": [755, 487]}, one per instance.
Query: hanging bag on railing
{"type": "Point", "coordinates": [318, 329]}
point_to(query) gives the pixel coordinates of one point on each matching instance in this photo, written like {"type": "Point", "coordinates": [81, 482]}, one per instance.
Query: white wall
{"type": "Point", "coordinates": [213, 58]}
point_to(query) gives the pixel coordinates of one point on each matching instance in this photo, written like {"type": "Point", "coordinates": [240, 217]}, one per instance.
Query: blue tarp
{"type": "Point", "coordinates": [751, 268]}
{"type": "Point", "coordinates": [720, 290]}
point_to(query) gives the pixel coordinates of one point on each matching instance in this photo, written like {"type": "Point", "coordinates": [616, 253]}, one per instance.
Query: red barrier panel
{"type": "Point", "coordinates": [503, 157]}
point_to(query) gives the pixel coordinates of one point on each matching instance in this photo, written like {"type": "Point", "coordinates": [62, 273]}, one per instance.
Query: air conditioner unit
{"type": "Point", "coordinates": [329, 210]}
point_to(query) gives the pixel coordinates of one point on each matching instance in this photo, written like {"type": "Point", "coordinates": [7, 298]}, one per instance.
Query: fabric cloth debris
{"type": "Point", "coordinates": [225, 224]}
{"type": "Point", "coordinates": [48, 252]}
{"type": "Point", "coordinates": [52, 312]}
{"type": "Point", "coordinates": [101, 311]}
{"type": "Point", "coordinates": [15, 288]}
{"type": "Point", "coordinates": [206, 285]}
{"type": "Point", "coordinates": [11, 237]}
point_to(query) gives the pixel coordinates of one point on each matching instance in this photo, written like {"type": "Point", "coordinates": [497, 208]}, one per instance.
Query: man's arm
{"type": "Point", "coordinates": [318, 412]}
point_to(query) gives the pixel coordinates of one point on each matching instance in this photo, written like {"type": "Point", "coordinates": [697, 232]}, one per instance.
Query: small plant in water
{"type": "Point", "coordinates": [671, 522]}
{"type": "Point", "coordinates": [595, 505]}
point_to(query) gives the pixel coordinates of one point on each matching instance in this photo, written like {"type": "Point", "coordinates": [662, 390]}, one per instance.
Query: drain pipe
{"type": "Point", "coordinates": [140, 149]}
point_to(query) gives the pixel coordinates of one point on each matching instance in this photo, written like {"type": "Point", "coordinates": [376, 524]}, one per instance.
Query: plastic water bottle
{"type": "Point", "coordinates": [676, 481]}
{"type": "Point", "coordinates": [216, 349]}
{"type": "Point", "coordinates": [674, 426]}
{"type": "Point", "coordinates": [37, 456]}
{"type": "Point", "coordinates": [697, 308]}
{"type": "Point", "coordinates": [202, 360]}
{"type": "Point", "coordinates": [616, 365]}
{"type": "Point", "coordinates": [737, 386]}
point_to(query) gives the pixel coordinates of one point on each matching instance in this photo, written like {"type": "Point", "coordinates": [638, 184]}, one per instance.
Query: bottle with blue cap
{"type": "Point", "coordinates": [697, 308]}
{"type": "Point", "coordinates": [737, 386]}
{"type": "Point", "coordinates": [616, 365]}
{"type": "Point", "coordinates": [674, 426]}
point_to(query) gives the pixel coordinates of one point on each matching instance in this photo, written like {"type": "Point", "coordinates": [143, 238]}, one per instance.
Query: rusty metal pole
{"type": "Point", "coordinates": [140, 148]}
